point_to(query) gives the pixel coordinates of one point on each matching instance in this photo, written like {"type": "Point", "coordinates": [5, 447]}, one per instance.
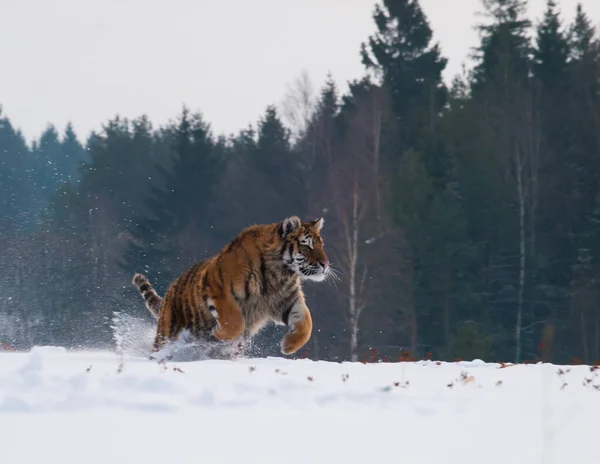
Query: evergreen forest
{"type": "Point", "coordinates": [462, 217]}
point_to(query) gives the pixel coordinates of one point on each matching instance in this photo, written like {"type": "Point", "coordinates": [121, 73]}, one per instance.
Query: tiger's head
{"type": "Point", "coordinates": [302, 250]}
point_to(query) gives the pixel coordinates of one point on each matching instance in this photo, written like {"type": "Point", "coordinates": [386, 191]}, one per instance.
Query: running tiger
{"type": "Point", "coordinates": [253, 280]}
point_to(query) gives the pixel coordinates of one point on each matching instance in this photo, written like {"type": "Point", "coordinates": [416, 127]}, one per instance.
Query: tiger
{"type": "Point", "coordinates": [253, 280]}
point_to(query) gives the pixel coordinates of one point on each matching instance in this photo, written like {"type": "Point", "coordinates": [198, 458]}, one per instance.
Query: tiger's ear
{"type": "Point", "coordinates": [318, 223]}
{"type": "Point", "coordinates": [289, 225]}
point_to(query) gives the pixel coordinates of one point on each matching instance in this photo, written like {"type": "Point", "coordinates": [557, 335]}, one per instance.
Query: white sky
{"type": "Point", "coordinates": [87, 60]}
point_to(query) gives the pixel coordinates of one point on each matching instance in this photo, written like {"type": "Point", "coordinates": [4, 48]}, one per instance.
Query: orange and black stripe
{"type": "Point", "coordinates": [249, 273]}
{"type": "Point", "coordinates": [151, 298]}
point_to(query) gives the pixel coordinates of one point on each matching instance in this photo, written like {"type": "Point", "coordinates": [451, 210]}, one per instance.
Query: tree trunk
{"type": "Point", "coordinates": [522, 254]}
{"type": "Point", "coordinates": [584, 336]}
{"type": "Point", "coordinates": [413, 322]}
{"type": "Point", "coordinates": [377, 116]}
{"type": "Point", "coordinates": [353, 302]}
{"type": "Point", "coordinates": [548, 333]}
{"type": "Point", "coordinates": [597, 342]}
{"type": "Point", "coordinates": [447, 293]}
{"type": "Point", "coordinates": [352, 310]}
{"type": "Point", "coordinates": [353, 340]}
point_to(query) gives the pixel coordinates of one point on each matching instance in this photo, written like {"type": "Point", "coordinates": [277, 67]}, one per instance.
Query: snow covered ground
{"type": "Point", "coordinates": [65, 407]}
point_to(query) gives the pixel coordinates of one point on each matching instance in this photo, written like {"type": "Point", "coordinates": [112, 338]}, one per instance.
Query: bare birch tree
{"type": "Point", "coordinates": [525, 134]}
{"type": "Point", "coordinates": [298, 105]}
{"type": "Point", "coordinates": [356, 199]}
{"type": "Point", "coordinates": [350, 217]}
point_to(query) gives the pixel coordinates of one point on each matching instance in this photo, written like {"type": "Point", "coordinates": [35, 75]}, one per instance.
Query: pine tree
{"type": "Point", "coordinates": [46, 169]}
{"type": "Point", "coordinates": [552, 49]}
{"type": "Point", "coordinates": [505, 49]}
{"type": "Point", "coordinates": [582, 36]}
{"type": "Point", "coordinates": [328, 104]}
{"type": "Point", "coordinates": [275, 169]}
{"type": "Point", "coordinates": [435, 225]}
{"type": "Point", "coordinates": [73, 153]}
{"type": "Point", "coordinates": [402, 54]}
{"type": "Point", "coordinates": [183, 202]}
{"type": "Point", "coordinates": [582, 117]}
{"type": "Point", "coordinates": [105, 182]}
{"type": "Point", "coordinates": [15, 181]}
{"type": "Point", "coordinates": [498, 168]}
{"type": "Point", "coordinates": [550, 253]}
{"type": "Point", "coordinates": [233, 205]}
{"type": "Point", "coordinates": [317, 149]}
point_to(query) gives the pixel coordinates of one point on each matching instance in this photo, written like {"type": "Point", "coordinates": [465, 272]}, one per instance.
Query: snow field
{"type": "Point", "coordinates": [73, 407]}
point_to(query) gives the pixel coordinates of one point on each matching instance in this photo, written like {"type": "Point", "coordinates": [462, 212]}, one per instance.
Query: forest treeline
{"type": "Point", "coordinates": [463, 218]}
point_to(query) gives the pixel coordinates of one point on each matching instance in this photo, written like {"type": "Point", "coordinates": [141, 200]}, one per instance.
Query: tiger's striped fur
{"type": "Point", "coordinates": [253, 280]}
{"type": "Point", "coordinates": [152, 299]}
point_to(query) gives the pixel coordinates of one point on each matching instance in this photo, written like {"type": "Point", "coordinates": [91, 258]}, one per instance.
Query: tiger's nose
{"type": "Point", "coordinates": [324, 264]}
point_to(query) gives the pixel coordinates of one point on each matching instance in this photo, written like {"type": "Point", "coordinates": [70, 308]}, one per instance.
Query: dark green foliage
{"type": "Point", "coordinates": [178, 201]}
{"type": "Point", "coordinates": [16, 192]}
{"type": "Point", "coordinates": [74, 155]}
{"type": "Point", "coordinates": [463, 221]}
{"type": "Point", "coordinates": [505, 50]}
{"type": "Point", "coordinates": [552, 49]}
{"type": "Point", "coordinates": [401, 52]}
{"type": "Point", "coordinates": [471, 341]}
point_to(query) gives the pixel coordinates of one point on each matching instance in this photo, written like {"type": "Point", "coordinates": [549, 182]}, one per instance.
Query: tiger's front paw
{"type": "Point", "coordinates": [299, 333]}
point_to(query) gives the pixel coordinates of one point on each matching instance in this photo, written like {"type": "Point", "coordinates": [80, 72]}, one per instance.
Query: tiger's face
{"type": "Point", "coordinates": [303, 251]}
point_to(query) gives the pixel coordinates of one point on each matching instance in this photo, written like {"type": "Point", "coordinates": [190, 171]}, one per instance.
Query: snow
{"type": "Point", "coordinates": [97, 407]}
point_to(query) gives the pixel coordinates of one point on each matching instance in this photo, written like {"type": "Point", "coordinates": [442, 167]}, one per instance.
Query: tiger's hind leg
{"type": "Point", "coordinates": [228, 315]}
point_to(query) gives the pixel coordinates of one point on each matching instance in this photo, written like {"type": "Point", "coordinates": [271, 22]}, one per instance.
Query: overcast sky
{"type": "Point", "coordinates": [87, 60]}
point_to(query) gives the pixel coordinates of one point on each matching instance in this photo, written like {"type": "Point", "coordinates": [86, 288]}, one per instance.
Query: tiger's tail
{"type": "Point", "coordinates": [152, 299]}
